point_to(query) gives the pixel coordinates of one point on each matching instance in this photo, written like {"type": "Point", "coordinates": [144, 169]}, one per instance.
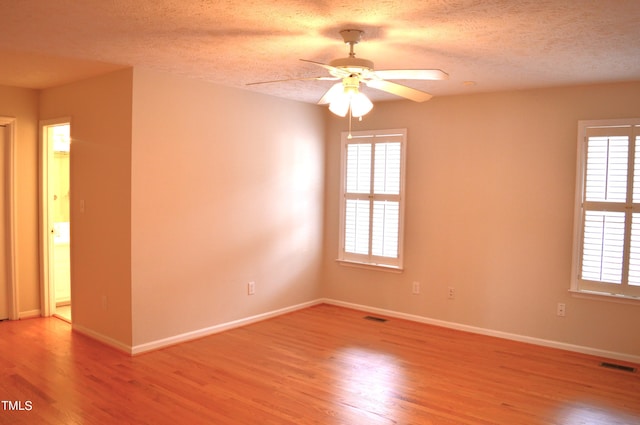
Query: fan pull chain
{"type": "Point", "coordinates": [350, 116]}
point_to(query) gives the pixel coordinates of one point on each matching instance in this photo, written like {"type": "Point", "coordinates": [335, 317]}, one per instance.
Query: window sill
{"type": "Point", "coordinates": [379, 267]}
{"type": "Point", "coordinates": [602, 296]}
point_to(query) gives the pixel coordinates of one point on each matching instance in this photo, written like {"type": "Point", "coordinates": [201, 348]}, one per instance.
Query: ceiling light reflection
{"type": "Point", "coordinates": [375, 377]}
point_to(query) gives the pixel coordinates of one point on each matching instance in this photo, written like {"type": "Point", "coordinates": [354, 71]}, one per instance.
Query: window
{"type": "Point", "coordinates": [372, 197]}
{"type": "Point", "coordinates": [607, 231]}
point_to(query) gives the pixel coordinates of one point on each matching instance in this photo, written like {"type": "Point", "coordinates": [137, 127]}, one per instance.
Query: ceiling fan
{"type": "Point", "coordinates": [344, 97]}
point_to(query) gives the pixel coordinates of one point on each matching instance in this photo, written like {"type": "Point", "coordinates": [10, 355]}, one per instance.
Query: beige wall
{"type": "Point", "coordinates": [100, 112]}
{"type": "Point", "coordinates": [227, 188]}
{"type": "Point", "coordinates": [23, 105]}
{"type": "Point", "coordinates": [489, 211]}
{"type": "Point", "coordinates": [191, 190]}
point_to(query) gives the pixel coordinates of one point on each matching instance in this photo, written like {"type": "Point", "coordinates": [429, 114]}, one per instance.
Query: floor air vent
{"type": "Point", "coordinates": [618, 367]}
{"type": "Point", "coordinates": [375, 319]}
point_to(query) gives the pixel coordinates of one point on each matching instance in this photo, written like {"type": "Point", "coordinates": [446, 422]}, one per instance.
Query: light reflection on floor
{"type": "Point", "coordinates": [583, 413]}
{"type": "Point", "coordinates": [378, 381]}
{"type": "Point", "coordinates": [375, 378]}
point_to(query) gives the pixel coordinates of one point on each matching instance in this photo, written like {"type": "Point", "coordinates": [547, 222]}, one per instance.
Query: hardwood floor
{"type": "Point", "coordinates": [322, 365]}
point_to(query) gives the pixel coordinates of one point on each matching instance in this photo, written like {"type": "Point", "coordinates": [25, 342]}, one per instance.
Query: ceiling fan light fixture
{"type": "Point", "coordinates": [360, 105]}
{"type": "Point", "coordinates": [340, 105]}
{"type": "Point", "coordinates": [350, 98]}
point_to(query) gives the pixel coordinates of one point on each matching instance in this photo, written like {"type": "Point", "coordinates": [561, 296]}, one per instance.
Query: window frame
{"type": "Point", "coordinates": [621, 292]}
{"type": "Point", "coordinates": [368, 260]}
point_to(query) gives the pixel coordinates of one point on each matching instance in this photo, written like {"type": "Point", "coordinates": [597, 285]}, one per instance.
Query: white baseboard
{"type": "Point", "coordinates": [489, 332]}
{"type": "Point", "coordinates": [161, 343]}
{"type": "Point", "coordinates": [102, 338]}
{"type": "Point", "coordinates": [28, 314]}
{"type": "Point", "coordinates": [187, 336]}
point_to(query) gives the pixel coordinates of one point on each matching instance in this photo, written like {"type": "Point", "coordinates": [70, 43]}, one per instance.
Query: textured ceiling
{"type": "Point", "coordinates": [497, 44]}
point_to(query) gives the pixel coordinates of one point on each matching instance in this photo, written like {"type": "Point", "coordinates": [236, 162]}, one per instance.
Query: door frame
{"type": "Point", "coordinates": [9, 124]}
{"type": "Point", "coordinates": [48, 296]}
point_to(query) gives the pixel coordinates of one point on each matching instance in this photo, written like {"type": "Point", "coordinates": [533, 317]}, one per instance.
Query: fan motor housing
{"type": "Point", "coordinates": [356, 65]}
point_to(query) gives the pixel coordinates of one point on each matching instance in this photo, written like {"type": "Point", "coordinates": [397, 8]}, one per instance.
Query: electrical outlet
{"type": "Point", "coordinates": [451, 293]}
{"type": "Point", "coordinates": [251, 288]}
{"type": "Point", "coordinates": [103, 301]}
{"type": "Point", "coordinates": [416, 288]}
{"type": "Point", "coordinates": [561, 311]}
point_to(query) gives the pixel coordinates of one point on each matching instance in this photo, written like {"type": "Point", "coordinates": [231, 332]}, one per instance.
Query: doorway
{"type": "Point", "coordinates": [4, 286]}
{"type": "Point", "coordinates": [56, 237]}
{"type": "Point", "coordinates": [8, 291]}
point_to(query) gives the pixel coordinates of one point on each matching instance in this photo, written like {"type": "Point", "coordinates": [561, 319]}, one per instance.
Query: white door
{"type": "Point", "coordinates": [4, 233]}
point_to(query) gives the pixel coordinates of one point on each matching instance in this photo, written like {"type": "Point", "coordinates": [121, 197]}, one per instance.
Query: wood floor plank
{"type": "Point", "coordinates": [321, 365]}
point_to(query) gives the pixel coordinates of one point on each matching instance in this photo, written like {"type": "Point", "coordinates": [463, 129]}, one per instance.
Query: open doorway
{"type": "Point", "coordinates": [4, 282]}
{"type": "Point", "coordinates": [56, 218]}
{"type": "Point", "coordinates": [8, 291]}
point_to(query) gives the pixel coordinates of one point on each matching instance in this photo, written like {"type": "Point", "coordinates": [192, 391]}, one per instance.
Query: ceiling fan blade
{"type": "Point", "coordinates": [335, 90]}
{"type": "Point", "coordinates": [399, 90]}
{"type": "Point", "coordinates": [336, 72]}
{"type": "Point", "coordinates": [295, 79]}
{"type": "Point", "coordinates": [412, 74]}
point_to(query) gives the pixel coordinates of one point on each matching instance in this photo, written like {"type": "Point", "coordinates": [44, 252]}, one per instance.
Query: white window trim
{"type": "Point", "coordinates": [584, 290]}
{"type": "Point", "coordinates": [361, 261]}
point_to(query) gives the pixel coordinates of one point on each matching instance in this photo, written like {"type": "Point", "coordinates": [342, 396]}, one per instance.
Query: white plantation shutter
{"type": "Point", "coordinates": [607, 159]}
{"type": "Point", "coordinates": [387, 168]}
{"type": "Point", "coordinates": [634, 253]}
{"type": "Point", "coordinates": [372, 204]}
{"type": "Point", "coordinates": [385, 229]}
{"type": "Point", "coordinates": [356, 238]}
{"type": "Point", "coordinates": [359, 168]}
{"type": "Point", "coordinates": [603, 246]}
{"type": "Point", "coordinates": [386, 213]}
{"type": "Point", "coordinates": [608, 208]}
